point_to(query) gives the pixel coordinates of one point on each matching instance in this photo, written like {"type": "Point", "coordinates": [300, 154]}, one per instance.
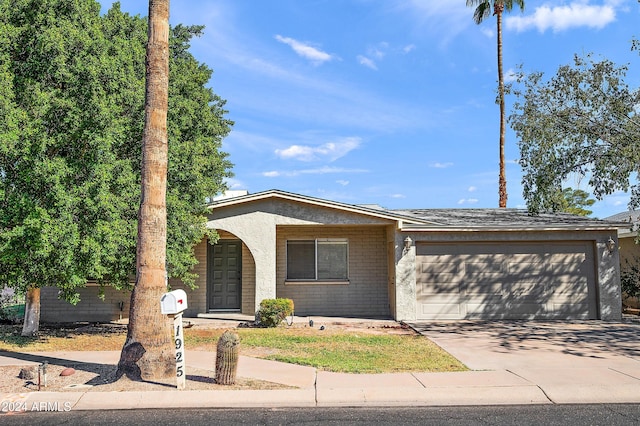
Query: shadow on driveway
{"type": "Point", "coordinates": [594, 339]}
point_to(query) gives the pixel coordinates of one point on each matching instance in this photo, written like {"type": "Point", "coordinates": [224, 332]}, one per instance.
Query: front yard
{"type": "Point", "coordinates": [338, 349]}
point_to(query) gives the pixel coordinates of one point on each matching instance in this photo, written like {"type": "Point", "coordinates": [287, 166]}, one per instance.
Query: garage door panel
{"type": "Point", "coordinates": [488, 284]}
{"type": "Point", "coordinates": [571, 310]}
{"type": "Point", "coordinates": [439, 288]}
{"type": "Point", "coordinates": [439, 279]}
{"type": "Point", "coordinates": [442, 267]}
{"type": "Point", "coordinates": [577, 268]}
{"type": "Point", "coordinates": [442, 306]}
{"type": "Point", "coordinates": [525, 289]}
{"type": "Point", "coordinates": [501, 311]}
{"type": "Point", "coordinates": [442, 310]}
{"type": "Point", "coordinates": [577, 290]}
{"type": "Point", "coordinates": [526, 269]}
{"type": "Point", "coordinates": [506, 280]}
{"type": "Point", "coordinates": [474, 266]}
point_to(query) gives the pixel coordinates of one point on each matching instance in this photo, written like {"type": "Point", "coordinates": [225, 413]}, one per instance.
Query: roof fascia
{"type": "Point", "coordinates": [508, 228]}
{"type": "Point", "coordinates": [383, 214]}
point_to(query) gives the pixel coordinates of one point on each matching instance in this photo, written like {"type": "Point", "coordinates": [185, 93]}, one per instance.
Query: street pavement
{"type": "Point", "coordinates": [511, 363]}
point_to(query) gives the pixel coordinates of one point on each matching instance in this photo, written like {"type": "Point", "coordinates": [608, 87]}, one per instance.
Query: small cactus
{"type": "Point", "coordinates": [227, 358]}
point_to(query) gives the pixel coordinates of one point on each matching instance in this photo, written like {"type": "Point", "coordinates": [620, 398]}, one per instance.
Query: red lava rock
{"type": "Point", "coordinates": [67, 371]}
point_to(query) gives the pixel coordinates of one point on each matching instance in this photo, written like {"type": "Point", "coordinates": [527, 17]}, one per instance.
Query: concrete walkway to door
{"type": "Point", "coordinates": [570, 361]}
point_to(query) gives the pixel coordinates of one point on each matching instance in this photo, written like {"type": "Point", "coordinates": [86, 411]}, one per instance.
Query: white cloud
{"type": "Point", "coordinates": [330, 150]}
{"type": "Point", "coordinates": [468, 201]}
{"type": "Point", "coordinates": [234, 183]}
{"type": "Point", "coordinates": [342, 182]}
{"type": "Point", "coordinates": [319, 171]}
{"type": "Point", "coordinates": [440, 165]}
{"type": "Point", "coordinates": [444, 18]}
{"type": "Point", "coordinates": [472, 189]}
{"type": "Point", "coordinates": [510, 76]}
{"type": "Point", "coordinates": [488, 32]}
{"type": "Point", "coordinates": [560, 18]}
{"type": "Point", "coordinates": [369, 63]}
{"type": "Point", "coordinates": [409, 48]}
{"type": "Point", "coordinates": [306, 51]}
{"type": "Point", "coordinates": [398, 196]}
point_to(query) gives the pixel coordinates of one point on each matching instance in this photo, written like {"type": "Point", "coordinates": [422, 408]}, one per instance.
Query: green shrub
{"type": "Point", "coordinates": [273, 311]}
{"type": "Point", "coordinates": [11, 308]}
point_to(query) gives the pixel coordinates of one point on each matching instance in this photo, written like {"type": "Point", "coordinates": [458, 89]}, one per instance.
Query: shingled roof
{"type": "Point", "coordinates": [512, 218]}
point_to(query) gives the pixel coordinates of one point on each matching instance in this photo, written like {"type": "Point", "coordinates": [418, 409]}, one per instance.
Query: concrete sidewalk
{"type": "Point", "coordinates": [512, 363]}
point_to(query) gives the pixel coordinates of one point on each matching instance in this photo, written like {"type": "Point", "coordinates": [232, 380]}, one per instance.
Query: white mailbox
{"type": "Point", "coordinates": [173, 302]}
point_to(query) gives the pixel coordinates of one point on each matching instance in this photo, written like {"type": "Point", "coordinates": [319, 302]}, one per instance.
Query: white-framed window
{"type": "Point", "coordinates": [318, 260]}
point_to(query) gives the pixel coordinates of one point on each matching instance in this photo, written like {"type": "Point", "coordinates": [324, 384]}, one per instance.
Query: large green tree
{"type": "Point", "coordinates": [483, 11]}
{"type": "Point", "coordinates": [72, 87]}
{"type": "Point", "coordinates": [576, 201]}
{"type": "Point", "coordinates": [580, 122]}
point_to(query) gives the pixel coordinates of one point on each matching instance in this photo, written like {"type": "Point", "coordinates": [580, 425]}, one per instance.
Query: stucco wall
{"type": "Point", "coordinates": [365, 295]}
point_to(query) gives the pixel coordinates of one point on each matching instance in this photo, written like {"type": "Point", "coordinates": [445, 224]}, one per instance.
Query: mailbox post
{"type": "Point", "coordinates": [173, 304]}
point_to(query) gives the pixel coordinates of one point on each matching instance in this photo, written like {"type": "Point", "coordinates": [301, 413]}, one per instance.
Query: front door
{"type": "Point", "coordinates": [224, 272]}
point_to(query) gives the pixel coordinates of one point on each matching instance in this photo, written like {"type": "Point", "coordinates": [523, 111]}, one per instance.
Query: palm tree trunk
{"type": "Point", "coordinates": [502, 178]}
{"type": "Point", "coordinates": [148, 352]}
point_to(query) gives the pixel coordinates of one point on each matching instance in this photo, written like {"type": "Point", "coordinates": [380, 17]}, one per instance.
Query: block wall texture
{"type": "Point", "coordinates": [366, 294]}
{"type": "Point", "coordinates": [90, 309]}
{"type": "Point", "coordinates": [196, 297]}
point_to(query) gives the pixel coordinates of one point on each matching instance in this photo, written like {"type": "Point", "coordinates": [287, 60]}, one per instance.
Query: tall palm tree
{"type": "Point", "coordinates": [483, 10]}
{"type": "Point", "coordinates": [148, 352]}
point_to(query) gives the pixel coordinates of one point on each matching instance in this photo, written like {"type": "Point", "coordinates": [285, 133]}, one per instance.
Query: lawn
{"type": "Point", "coordinates": [339, 350]}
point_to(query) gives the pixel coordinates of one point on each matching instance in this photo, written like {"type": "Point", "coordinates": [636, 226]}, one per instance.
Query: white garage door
{"type": "Point", "coordinates": [506, 281]}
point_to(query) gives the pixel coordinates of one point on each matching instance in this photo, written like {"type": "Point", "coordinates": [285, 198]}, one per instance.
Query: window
{"type": "Point", "coordinates": [319, 260]}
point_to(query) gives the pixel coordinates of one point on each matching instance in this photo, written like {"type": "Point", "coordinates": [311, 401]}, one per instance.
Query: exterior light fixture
{"type": "Point", "coordinates": [611, 245]}
{"type": "Point", "coordinates": [407, 244]}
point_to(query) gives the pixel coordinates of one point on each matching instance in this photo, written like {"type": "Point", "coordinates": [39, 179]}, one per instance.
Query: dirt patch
{"type": "Point", "coordinates": [90, 377]}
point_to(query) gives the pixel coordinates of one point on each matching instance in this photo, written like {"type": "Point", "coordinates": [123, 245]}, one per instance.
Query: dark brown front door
{"type": "Point", "coordinates": [224, 272]}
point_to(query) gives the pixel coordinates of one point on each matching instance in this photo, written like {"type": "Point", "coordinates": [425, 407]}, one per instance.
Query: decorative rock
{"type": "Point", "coordinates": [27, 373]}
{"type": "Point", "coordinates": [68, 371]}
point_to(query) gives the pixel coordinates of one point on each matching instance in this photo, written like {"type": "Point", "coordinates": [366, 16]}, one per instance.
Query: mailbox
{"type": "Point", "coordinates": [173, 302]}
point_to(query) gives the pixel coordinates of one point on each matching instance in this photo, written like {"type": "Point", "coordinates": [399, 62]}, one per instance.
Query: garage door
{"type": "Point", "coordinates": [506, 281]}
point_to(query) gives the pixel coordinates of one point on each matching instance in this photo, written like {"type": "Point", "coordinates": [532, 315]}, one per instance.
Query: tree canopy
{"type": "Point", "coordinates": [575, 202]}
{"type": "Point", "coordinates": [581, 122]}
{"type": "Point", "coordinates": [72, 107]}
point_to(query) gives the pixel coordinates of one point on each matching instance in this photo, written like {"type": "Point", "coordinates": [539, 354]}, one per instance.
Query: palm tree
{"type": "Point", "coordinates": [148, 352]}
{"type": "Point", "coordinates": [483, 9]}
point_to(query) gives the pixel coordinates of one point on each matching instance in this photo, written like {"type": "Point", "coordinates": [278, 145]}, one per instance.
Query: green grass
{"type": "Point", "coordinates": [344, 351]}
{"type": "Point", "coordinates": [336, 350]}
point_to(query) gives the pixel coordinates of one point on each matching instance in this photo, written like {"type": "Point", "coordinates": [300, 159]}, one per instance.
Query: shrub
{"type": "Point", "coordinates": [273, 311]}
{"type": "Point", "coordinates": [11, 310]}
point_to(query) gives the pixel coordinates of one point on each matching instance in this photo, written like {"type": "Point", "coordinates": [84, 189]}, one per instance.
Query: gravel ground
{"type": "Point", "coordinates": [101, 378]}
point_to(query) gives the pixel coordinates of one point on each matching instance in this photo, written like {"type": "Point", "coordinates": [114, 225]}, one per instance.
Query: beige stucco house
{"type": "Point", "coordinates": [337, 259]}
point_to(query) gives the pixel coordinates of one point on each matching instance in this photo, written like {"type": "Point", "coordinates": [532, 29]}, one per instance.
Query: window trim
{"type": "Point", "coordinates": [316, 281]}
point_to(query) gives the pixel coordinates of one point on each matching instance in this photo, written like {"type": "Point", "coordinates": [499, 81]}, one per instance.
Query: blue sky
{"type": "Point", "coordinates": [387, 101]}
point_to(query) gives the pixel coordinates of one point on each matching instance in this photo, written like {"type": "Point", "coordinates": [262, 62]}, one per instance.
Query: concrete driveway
{"type": "Point", "coordinates": [570, 361]}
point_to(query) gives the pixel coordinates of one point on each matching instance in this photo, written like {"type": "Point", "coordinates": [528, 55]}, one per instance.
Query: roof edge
{"type": "Point", "coordinates": [275, 193]}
